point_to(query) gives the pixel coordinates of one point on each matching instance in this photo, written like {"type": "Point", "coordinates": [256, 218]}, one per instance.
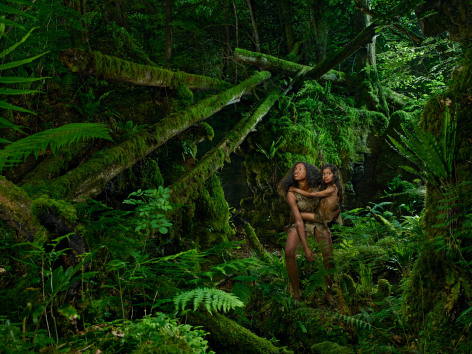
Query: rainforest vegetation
{"type": "Point", "coordinates": [141, 145]}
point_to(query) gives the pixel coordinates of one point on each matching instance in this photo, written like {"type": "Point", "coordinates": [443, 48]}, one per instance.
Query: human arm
{"type": "Point", "coordinates": [321, 194]}
{"type": "Point", "coordinates": [300, 226]}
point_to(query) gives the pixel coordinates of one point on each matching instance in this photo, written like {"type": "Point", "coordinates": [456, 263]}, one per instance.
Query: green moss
{"type": "Point", "coordinates": [210, 133]}
{"type": "Point", "coordinates": [226, 335]}
{"type": "Point", "coordinates": [383, 289]}
{"type": "Point", "coordinates": [253, 240]}
{"type": "Point", "coordinates": [330, 347]}
{"type": "Point", "coordinates": [211, 219]}
{"type": "Point", "coordinates": [61, 208]}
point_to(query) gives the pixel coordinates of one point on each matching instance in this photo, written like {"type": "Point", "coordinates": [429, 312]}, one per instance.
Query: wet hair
{"type": "Point", "coordinates": [313, 178]}
{"type": "Point", "coordinates": [337, 180]}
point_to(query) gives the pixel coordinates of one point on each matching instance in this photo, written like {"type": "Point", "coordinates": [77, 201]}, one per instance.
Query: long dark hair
{"type": "Point", "coordinates": [313, 178]}
{"type": "Point", "coordinates": [337, 180]}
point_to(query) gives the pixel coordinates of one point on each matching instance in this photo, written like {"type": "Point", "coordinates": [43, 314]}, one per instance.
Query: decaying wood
{"type": "Point", "coordinates": [115, 69]}
{"type": "Point", "coordinates": [213, 160]}
{"type": "Point", "coordinates": [89, 179]}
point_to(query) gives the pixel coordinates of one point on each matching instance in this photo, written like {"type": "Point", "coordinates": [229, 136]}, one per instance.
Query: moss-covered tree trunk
{"type": "Point", "coordinates": [115, 69]}
{"type": "Point", "coordinates": [89, 179]}
{"type": "Point", "coordinates": [439, 288]}
{"type": "Point", "coordinates": [15, 211]}
{"type": "Point", "coordinates": [270, 63]}
{"type": "Point", "coordinates": [189, 184]}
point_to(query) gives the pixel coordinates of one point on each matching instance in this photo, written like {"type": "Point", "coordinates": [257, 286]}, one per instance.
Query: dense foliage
{"type": "Point", "coordinates": [99, 254]}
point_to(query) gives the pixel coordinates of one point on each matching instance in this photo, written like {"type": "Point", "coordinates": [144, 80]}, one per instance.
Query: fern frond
{"type": "Point", "coordinates": [54, 138]}
{"type": "Point", "coordinates": [237, 265]}
{"type": "Point", "coordinates": [353, 320]}
{"type": "Point", "coordinates": [212, 300]}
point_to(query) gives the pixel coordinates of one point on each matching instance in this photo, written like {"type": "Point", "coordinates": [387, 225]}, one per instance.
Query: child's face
{"type": "Point", "coordinates": [299, 174]}
{"type": "Point", "coordinates": [328, 176]}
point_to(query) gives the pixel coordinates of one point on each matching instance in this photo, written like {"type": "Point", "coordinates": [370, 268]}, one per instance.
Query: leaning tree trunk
{"type": "Point", "coordinates": [115, 69]}
{"type": "Point", "coordinates": [89, 179]}
{"type": "Point", "coordinates": [304, 72]}
{"type": "Point", "coordinates": [189, 184]}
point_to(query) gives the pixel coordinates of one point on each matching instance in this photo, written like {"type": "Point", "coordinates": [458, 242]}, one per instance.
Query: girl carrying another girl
{"type": "Point", "coordinates": [330, 195]}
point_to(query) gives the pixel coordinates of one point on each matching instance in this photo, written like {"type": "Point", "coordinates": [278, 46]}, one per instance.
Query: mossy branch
{"type": "Point", "coordinates": [213, 160]}
{"type": "Point", "coordinates": [89, 179]}
{"type": "Point", "coordinates": [115, 69]}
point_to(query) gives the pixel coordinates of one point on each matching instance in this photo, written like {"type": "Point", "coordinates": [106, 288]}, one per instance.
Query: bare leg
{"type": "Point", "coordinates": [323, 238]}
{"type": "Point", "coordinates": [291, 247]}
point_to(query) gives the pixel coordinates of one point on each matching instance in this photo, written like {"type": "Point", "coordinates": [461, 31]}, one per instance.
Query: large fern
{"type": "Point", "coordinates": [54, 139]}
{"type": "Point", "coordinates": [434, 160]}
{"type": "Point", "coordinates": [211, 299]}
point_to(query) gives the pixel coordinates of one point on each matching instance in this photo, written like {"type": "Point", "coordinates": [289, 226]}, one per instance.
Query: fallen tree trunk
{"type": "Point", "coordinates": [89, 179]}
{"type": "Point", "coordinates": [285, 67]}
{"type": "Point", "coordinates": [115, 69]}
{"type": "Point", "coordinates": [270, 63]}
{"type": "Point", "coordinates": [213, 160]}
{"type": "Point", "coordinates": [15, 211]}
{"type": "Point", "coordinates": [227, 336]}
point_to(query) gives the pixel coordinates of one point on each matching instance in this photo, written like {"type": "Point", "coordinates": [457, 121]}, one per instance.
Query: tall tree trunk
{"type": "Point", "coordinates": [257, 42]}
{"type": "Point", "coordinates": [319, 26]}
{"type": "Point", "coordinates": [236, 36]}
{"type": "Point", "coordinates": [168, 50]}
{"type": "Point", "coordinates": [286, 15]}
{"type": "Point", "coordinates": [89, 179]}
{"type": "Point", "coordinates": [227, 48]}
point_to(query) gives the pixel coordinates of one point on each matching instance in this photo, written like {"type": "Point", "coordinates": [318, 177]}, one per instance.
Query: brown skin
{"type": "Point", "coordinates": [297, 235]}
{"type": "Point", "coordinates": [330, 201]}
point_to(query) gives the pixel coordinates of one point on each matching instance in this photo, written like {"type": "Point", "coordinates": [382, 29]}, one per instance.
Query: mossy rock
{"type": "Point", "coordinates": [331, 348]}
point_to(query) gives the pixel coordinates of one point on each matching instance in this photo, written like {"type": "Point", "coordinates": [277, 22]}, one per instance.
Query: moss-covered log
{"type": "Point", "coordinates": [226, 336]}
{"type": "Point", "coordinates": [15, 211]}
{"type": "Point", "coordinates": [285, 67]}
{"type": "Point", "coordinates": [89, 179]}
{"type": "Point", "coordinates": [115, 69]}
{"type": "Point", "coordinates": [190, 183]}
{"type": "Point", "coordinates": [273, 64]}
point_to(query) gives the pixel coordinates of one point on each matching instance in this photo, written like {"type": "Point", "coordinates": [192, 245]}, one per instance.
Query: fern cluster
{"type": "Point", "coordinates": [211, 299]}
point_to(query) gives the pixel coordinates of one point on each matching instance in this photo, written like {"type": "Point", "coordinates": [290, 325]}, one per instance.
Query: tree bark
{"type": "Point", "coordinates": [168, 50]}
{"type": "Point", "coordinates": [115, 69]}
{"type": "Point", "coordinates": [227, 336]}
{"type": "Point", "coordinates": [285, 13]}
{"type": "Point", "coordinates": [284, 67]}
{"type": "Point", "coordinates": [257, 42]}
{"type": "Point", "coordinates": [89, 179]}
{"type": "Point", "coordinates": [319, 27]}
{"type": "Point", "coordinates": [236, 35]}
{"type": "Point", "coordinates": [213, 160]}
{"type": "Point", "coordinates": [15, 211]}
{"type": "Point", "coordinates": [267, 62]}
